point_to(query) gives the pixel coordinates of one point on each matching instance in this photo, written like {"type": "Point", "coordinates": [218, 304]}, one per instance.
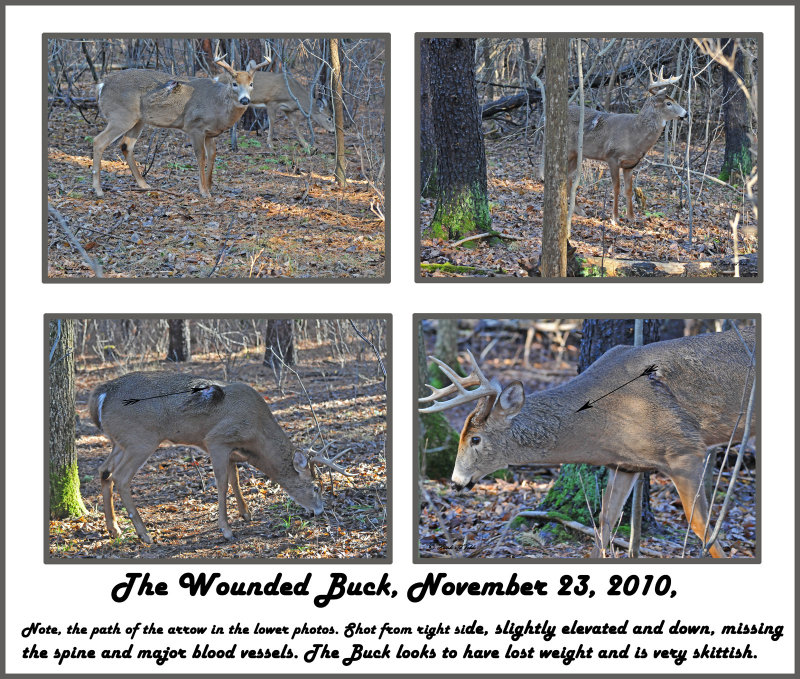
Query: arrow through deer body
{"type": "Point", "coordinates": [201, 107]}
{"type": "Point", "coordinates": [623, 139]}
{"type": "Point", "coordinates": [230, 422]}
{"type": "Point", "coordinates": [662, 422]}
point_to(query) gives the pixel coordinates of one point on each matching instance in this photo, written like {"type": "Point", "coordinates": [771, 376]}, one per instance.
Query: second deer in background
{"type": "Point", "coordinates": [270, 91]}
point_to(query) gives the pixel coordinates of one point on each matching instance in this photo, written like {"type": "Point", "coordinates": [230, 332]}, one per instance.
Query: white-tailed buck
{"type": "Point", "coordinates": [623, 139]}
{"type": "Point", "coordinates": [230, 422]}
{"type": "Point", "coordinates": [270, 91]}
{"type": "Point", "coordinates": [202, 107]}
{"type": "Point", "coordinates": [689, 397]}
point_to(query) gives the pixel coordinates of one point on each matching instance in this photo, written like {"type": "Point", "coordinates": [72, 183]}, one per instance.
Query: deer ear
{"type": "Point", "coordinates": [510, 401]}
{"type": "Point", "coordinates": [300, 462]}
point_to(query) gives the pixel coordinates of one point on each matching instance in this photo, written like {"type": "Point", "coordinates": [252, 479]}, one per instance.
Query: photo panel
{"type": "Point", "coordinates": [560, 419]}
{"type": "Point", "coordinates": [289, 412]}
{"type": "Point", "coordinates": [650, 170]}
{"type": "Point", "coordinates": [216, 158]}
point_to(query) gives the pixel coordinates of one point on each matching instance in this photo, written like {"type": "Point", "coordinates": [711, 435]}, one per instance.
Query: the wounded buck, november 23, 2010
{"type": "Point", "coordinates": [690, 397]}
{"type": "Point", "coordinates": [230, 422]}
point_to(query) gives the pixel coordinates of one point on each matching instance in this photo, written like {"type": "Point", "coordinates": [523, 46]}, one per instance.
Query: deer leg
{"type": "Point", "coordinates": [114, 130]}
{"type": "Point", "coordinates": [107, 484]}
{"type": "Point", "coordinates": [122, 470]}
{"type": "Point", "coordinates": [233, 479]}
{"type": "Point", "coordinates": [617, 490]}
{"type": "Point", "coordinates": [272, 112]}
{"type": "Point", "coordinates": [627, 174]}
{"type": "Point", "coordinates": [695, 506]}
{"type": "Point", "coordinates": [126, 145]}
{"type": "Point", "coordinates": [220, 461]}
{"type": "Point", "coordinates": [291, 118]}
{"type": "Point", "coordinates": [572, 167]}
{"type": "Point", "coordinates": [211, 156]}
{"type": "Point", "coordinates": [614, 168]}
{"type": "Point", "coordinates": [199, 145]}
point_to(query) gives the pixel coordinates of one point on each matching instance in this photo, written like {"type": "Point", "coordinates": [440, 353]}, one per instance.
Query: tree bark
{"type": "Point", "coordinates": [462, 204]}
{"type": "Point", "coordinates": [427, 141]}
{"type": "Point", "coordinates": [65, 486]}
{"type": "Point", "coordinates": [280, 339]}
{"type": "Point", "coordinates": [736, 115]}
{"type": "Point", "coordinates": [338, 112]}
{"type": "Point", "coordinates": [180, 344]}
{"type": "Point", "coordinates": [554, 223]}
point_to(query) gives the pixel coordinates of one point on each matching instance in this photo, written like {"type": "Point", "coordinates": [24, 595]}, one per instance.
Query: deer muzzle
{"type": "Point", "coordinates": [458, 486]}
{"type": "Point", "coordinates": [244, 101]}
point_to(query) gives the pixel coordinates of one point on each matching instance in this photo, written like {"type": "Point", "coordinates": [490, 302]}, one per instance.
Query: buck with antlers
{"type": "Point", "coordinates": [281, 93]}
{"type": "Point", "coordinates": [230, 422]}
{"type": "Point", "coordinates": [623, 139]}
{"type": "Point", "coordinates": [689, 397]}
{"type": "Point", "coordinates": [201, 107]}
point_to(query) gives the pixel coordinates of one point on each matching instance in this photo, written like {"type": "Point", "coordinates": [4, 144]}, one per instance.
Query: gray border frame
{"type": "Point", "coordinates": [418, 278]}
{"type": "Point", "coordinates": [305, 563]}
{"type": "Point", "coordinates": [387, 108]}
{"type": "Point", "coordinates": [616, 563]}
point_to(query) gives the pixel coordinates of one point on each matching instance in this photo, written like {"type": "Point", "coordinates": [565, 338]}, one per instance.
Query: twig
{"type": "Point", "coordinates": [58, 219]}
{"type": "Point", "coordinates": [374, 349]}
{"type": "Point", "coordinates": [223, 249]}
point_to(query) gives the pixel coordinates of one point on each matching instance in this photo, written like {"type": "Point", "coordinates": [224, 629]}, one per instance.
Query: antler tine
{"type": "Point", "coordinates": [459, 384]}
{"type": "Point", "coordinates": [661, 82]}
{"type": "Point", "coordinates": [319, 459]}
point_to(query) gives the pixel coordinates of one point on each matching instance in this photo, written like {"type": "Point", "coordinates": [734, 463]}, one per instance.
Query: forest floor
{"type": "Point", "coordinates": [177, 497]}
{"type": "Point", "coordinates": [480, 523]}
{"type": "Point", "coordinates": [272, 213]}
{"type": "Point", "coordinates": [660, 235]}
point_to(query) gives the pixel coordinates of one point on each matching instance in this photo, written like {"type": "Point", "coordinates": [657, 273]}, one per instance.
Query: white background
{"type": "Point", "coordinates": [713, 594]}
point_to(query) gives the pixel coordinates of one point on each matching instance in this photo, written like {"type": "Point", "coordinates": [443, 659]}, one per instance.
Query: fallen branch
{"type": "Point", "coordinates": [643, 268]}
{"type": "Point", "coordinates": [579, 527]}
{"type": "Point", "coordinates": [486, 235]}
{"type": "Point", "coordinates": [56, 216]}
{"type": "Point", "coordinates": [459, 269]}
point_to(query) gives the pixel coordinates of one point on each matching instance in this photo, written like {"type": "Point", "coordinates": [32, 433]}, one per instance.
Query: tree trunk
{"type": "Point", "coordinates": [338, 112]}
{"type": "Point", "coordinates": [554, 224]}
{"type": "Point", "coordinates": [180, 344]}
{"type": "Point", "coordinates": [427, 141]}
{"type": "Point", "coordinates": [65, 486]}
{"type": "Point", "coordinates": [280, 340]}
{"type": "Point", "coordinates": [736, 115]}
{"type": "Point", "coordinates": [435, 433]}
{"type": "Point", "coordinates": [577, 492]}
{"type": "Point", "coordinates": [462, 204]}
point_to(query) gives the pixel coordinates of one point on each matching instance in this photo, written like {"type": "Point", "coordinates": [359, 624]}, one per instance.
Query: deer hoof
{"type": "Point", "coordinates": [146, 539]}
{"type": "Point", "coordinates": [247, 516]}
{"type": "Point", "coordinates": [228, 535]}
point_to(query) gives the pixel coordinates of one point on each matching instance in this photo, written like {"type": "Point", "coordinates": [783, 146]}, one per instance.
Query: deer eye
{"type": "Point", "coordinates": [475, 440]}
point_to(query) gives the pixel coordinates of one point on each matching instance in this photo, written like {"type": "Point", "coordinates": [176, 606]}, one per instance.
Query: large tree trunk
{"type": "Point", "coordinates": [280, 340]}
{"type": "Point", "coordinates": [462, 204]}
{"type": "Point", "coordinates": [435, 433]}
{"type": "Point", "coordinates": [554, 224]}
{"type": "Point", "coordinates": [180, 344]}
{"type": "Point", "coordinates": [427, 141]}
{"type": "Point", "coordinates": [578, 490]}
{"type": "Point", "coordinates": [736, 115]}
{"type": "Point", "coordinates": [65, 486]}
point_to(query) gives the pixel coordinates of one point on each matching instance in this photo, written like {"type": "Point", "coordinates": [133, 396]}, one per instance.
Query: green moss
{"type": "Point", "coordinates": [453, 268]}
{"type": "Point", "coordinates": [461, 214]}
{"type": "Point", "coordinates": [442, 440]}
{"type": "Point", "coordinates": [65, 497]}
{"type": "Point", "coordinates": [576, 495]}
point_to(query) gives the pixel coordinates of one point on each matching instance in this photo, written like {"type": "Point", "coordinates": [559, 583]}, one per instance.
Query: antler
{"type": "Point", "coordinates": [661, 82]}
{"type": "Point", "coordinates": [319, 458]}
{"type": "Point", "coordinates": [459, 385]}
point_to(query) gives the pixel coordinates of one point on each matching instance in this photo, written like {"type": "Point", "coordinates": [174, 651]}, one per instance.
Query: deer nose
{"type": "Point", "coordinates": [244, 101]}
